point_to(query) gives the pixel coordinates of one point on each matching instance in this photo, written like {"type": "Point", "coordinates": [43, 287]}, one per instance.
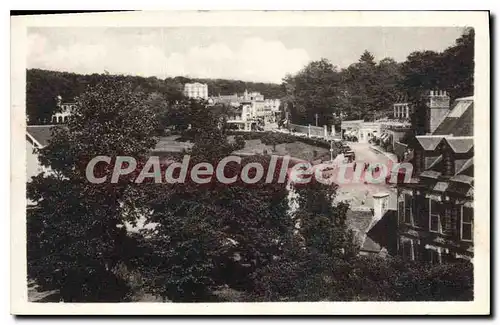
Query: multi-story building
{"type": "Point", "coordinates": [251, 106]}
{"type": "Point", "coordinates": [272, 105]}
{"type": "Point", "coordinates": [242, 117]}
{"type": "Point", "coordinates": [229, 100]}
{"type": "Point", "coordinates": [435, 208]}
{"type": "Point", "coordinates": [196, 90]}
{"type": "Point", "coordinates": [65, 110]}
{"type": "Point", "coordinates": [402, 110]}
{"type": "Point", "coordinates": [252, 96]}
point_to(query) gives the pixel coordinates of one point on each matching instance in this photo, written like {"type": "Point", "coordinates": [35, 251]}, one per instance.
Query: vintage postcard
{"type": "Point", "coordinates": [257, 163]}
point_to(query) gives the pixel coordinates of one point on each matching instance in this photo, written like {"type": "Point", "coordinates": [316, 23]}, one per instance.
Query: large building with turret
{"type": "Point", "coordinates": [435, 208]}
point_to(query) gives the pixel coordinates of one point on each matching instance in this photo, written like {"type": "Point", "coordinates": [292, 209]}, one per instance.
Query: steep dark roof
{"type": "Point", "coordinates": [460, 144]}
{"type": "Point", "coordinates": [465, 125]}
{"type": "Point", "coordinates": [466, 168]}
{"type": "Point", "coordinates": [429, 142]}
{"type": "Point", "coordinates": [359, 219]}
{"type": "Point", "coordinates": [459, 164]}
{"type": "Point", "coordinates": [383, 234]}
{"type": "Point", "coordinates": [434, 165]}
{"type": "Point", "coordinates": [460, 120]}
{"type": "Point", "coordinates": [40, 133]}
{"type": "Point", "coordinates": [457, 130]}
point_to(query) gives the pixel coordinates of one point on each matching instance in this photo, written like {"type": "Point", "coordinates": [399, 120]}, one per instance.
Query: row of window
{"type": "Point", "coordinates": [409, 211]}
{"type": "Point", "coordinates": [402, 113]}
{"type": "Point", "coordinates": [409, 250]}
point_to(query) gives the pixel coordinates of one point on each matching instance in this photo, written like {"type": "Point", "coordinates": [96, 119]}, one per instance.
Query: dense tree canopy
{"type": "Point", "coordinates": [203, 237]}
{"type": "Point", "coordinates": [76, 232]}
{"type": "Point", "coordinates": [44, 86]}
{"type": "Point", "coordinates": [315, 86]}
{"type": "Point", "coordinates": [451, 70]}
{"type": "Point", "coordinates": [367, 89]}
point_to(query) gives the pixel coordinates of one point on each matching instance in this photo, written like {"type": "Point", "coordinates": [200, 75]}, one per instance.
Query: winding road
{"type": "Point", "coordinates": [360, 194]}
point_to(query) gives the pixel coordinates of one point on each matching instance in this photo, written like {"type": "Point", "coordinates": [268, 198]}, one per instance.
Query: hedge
{"type": "Point", "coordinates": [287, 138]}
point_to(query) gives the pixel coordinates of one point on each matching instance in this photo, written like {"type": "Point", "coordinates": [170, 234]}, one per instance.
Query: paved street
{"type": "Point", "coordinates": [360, 194]}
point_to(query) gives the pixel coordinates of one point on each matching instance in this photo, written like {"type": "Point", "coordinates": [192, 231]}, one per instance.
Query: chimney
{"type": "Point", "coordinates": [439, 106]}
{"type": "Point", "coordinates": [380, 205]}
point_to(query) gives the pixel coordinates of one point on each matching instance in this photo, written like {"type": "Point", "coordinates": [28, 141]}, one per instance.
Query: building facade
{"type": "Point", "coordinates": [252, 96]}
{"type": "Point", "coordinates": [435, 208]}
{"type": "Point", "coordinates": [402, 111]}
{"type": "Point", "coordinates": [250, 110]}
{"type": "Point", "coordinates": [196, 90]}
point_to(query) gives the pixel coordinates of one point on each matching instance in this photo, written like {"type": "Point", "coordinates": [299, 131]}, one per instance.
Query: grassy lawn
{"type": "Point", "coordinates": [295, 149]}
{"type": "Point", "coordinates": [302, 151]}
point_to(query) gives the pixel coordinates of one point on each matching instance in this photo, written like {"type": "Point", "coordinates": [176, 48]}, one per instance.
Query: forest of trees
{"type": "Point", "coordinates": [209, 238]}
{"type": "Point", "coordinates": [364, 90]}
{"type": "Point", "coordinates": [367, 89]}
{"type": "Point", "coordinates": [206, 238]}
{"type": "Point", "coordinates": [43, 86]}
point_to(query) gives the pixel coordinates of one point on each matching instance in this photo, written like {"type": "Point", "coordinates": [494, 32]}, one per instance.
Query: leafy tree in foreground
{"type": "Point", "coordinates": [322, 249]}
{"type": "Point", "coordinates": [212, 235]}
{"type": "Point", "coordinates": [76, 234]}
{"type": "Point", "coordinates": [325, 266]}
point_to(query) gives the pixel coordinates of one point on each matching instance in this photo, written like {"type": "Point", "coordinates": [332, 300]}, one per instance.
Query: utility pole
{"type": "Point", "coordinates": [341, 133]}
{"type": "Point", "coordinates": [316, 116]}
{"type": "Point", "coordinates": [331, 150]}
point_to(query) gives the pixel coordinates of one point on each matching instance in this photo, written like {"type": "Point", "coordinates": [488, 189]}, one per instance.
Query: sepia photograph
{"type": "Point", "coordinates": [235, 158]}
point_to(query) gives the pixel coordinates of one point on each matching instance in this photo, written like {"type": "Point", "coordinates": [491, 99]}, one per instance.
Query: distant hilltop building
{"type": "Point", "coordinates": [252, 96]}
{"type": "Point", "coordinates": [402, 109]}
{"type": "Point", "coordinates": [65, 111]}
{"type": "Point", "coordinates": [196, 90]}
{"type": "Point", "coordinates": [250, 109]}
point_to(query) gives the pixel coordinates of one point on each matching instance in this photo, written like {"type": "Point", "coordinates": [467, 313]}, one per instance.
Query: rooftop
{"type": "Point", "coordinates": [460, 120]}
{"type": "Point", "coordinates": [40, 134]}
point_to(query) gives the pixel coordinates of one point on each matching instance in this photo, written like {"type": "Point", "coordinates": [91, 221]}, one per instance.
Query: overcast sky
{"type": "Point", "coordinates": [252, 54]}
